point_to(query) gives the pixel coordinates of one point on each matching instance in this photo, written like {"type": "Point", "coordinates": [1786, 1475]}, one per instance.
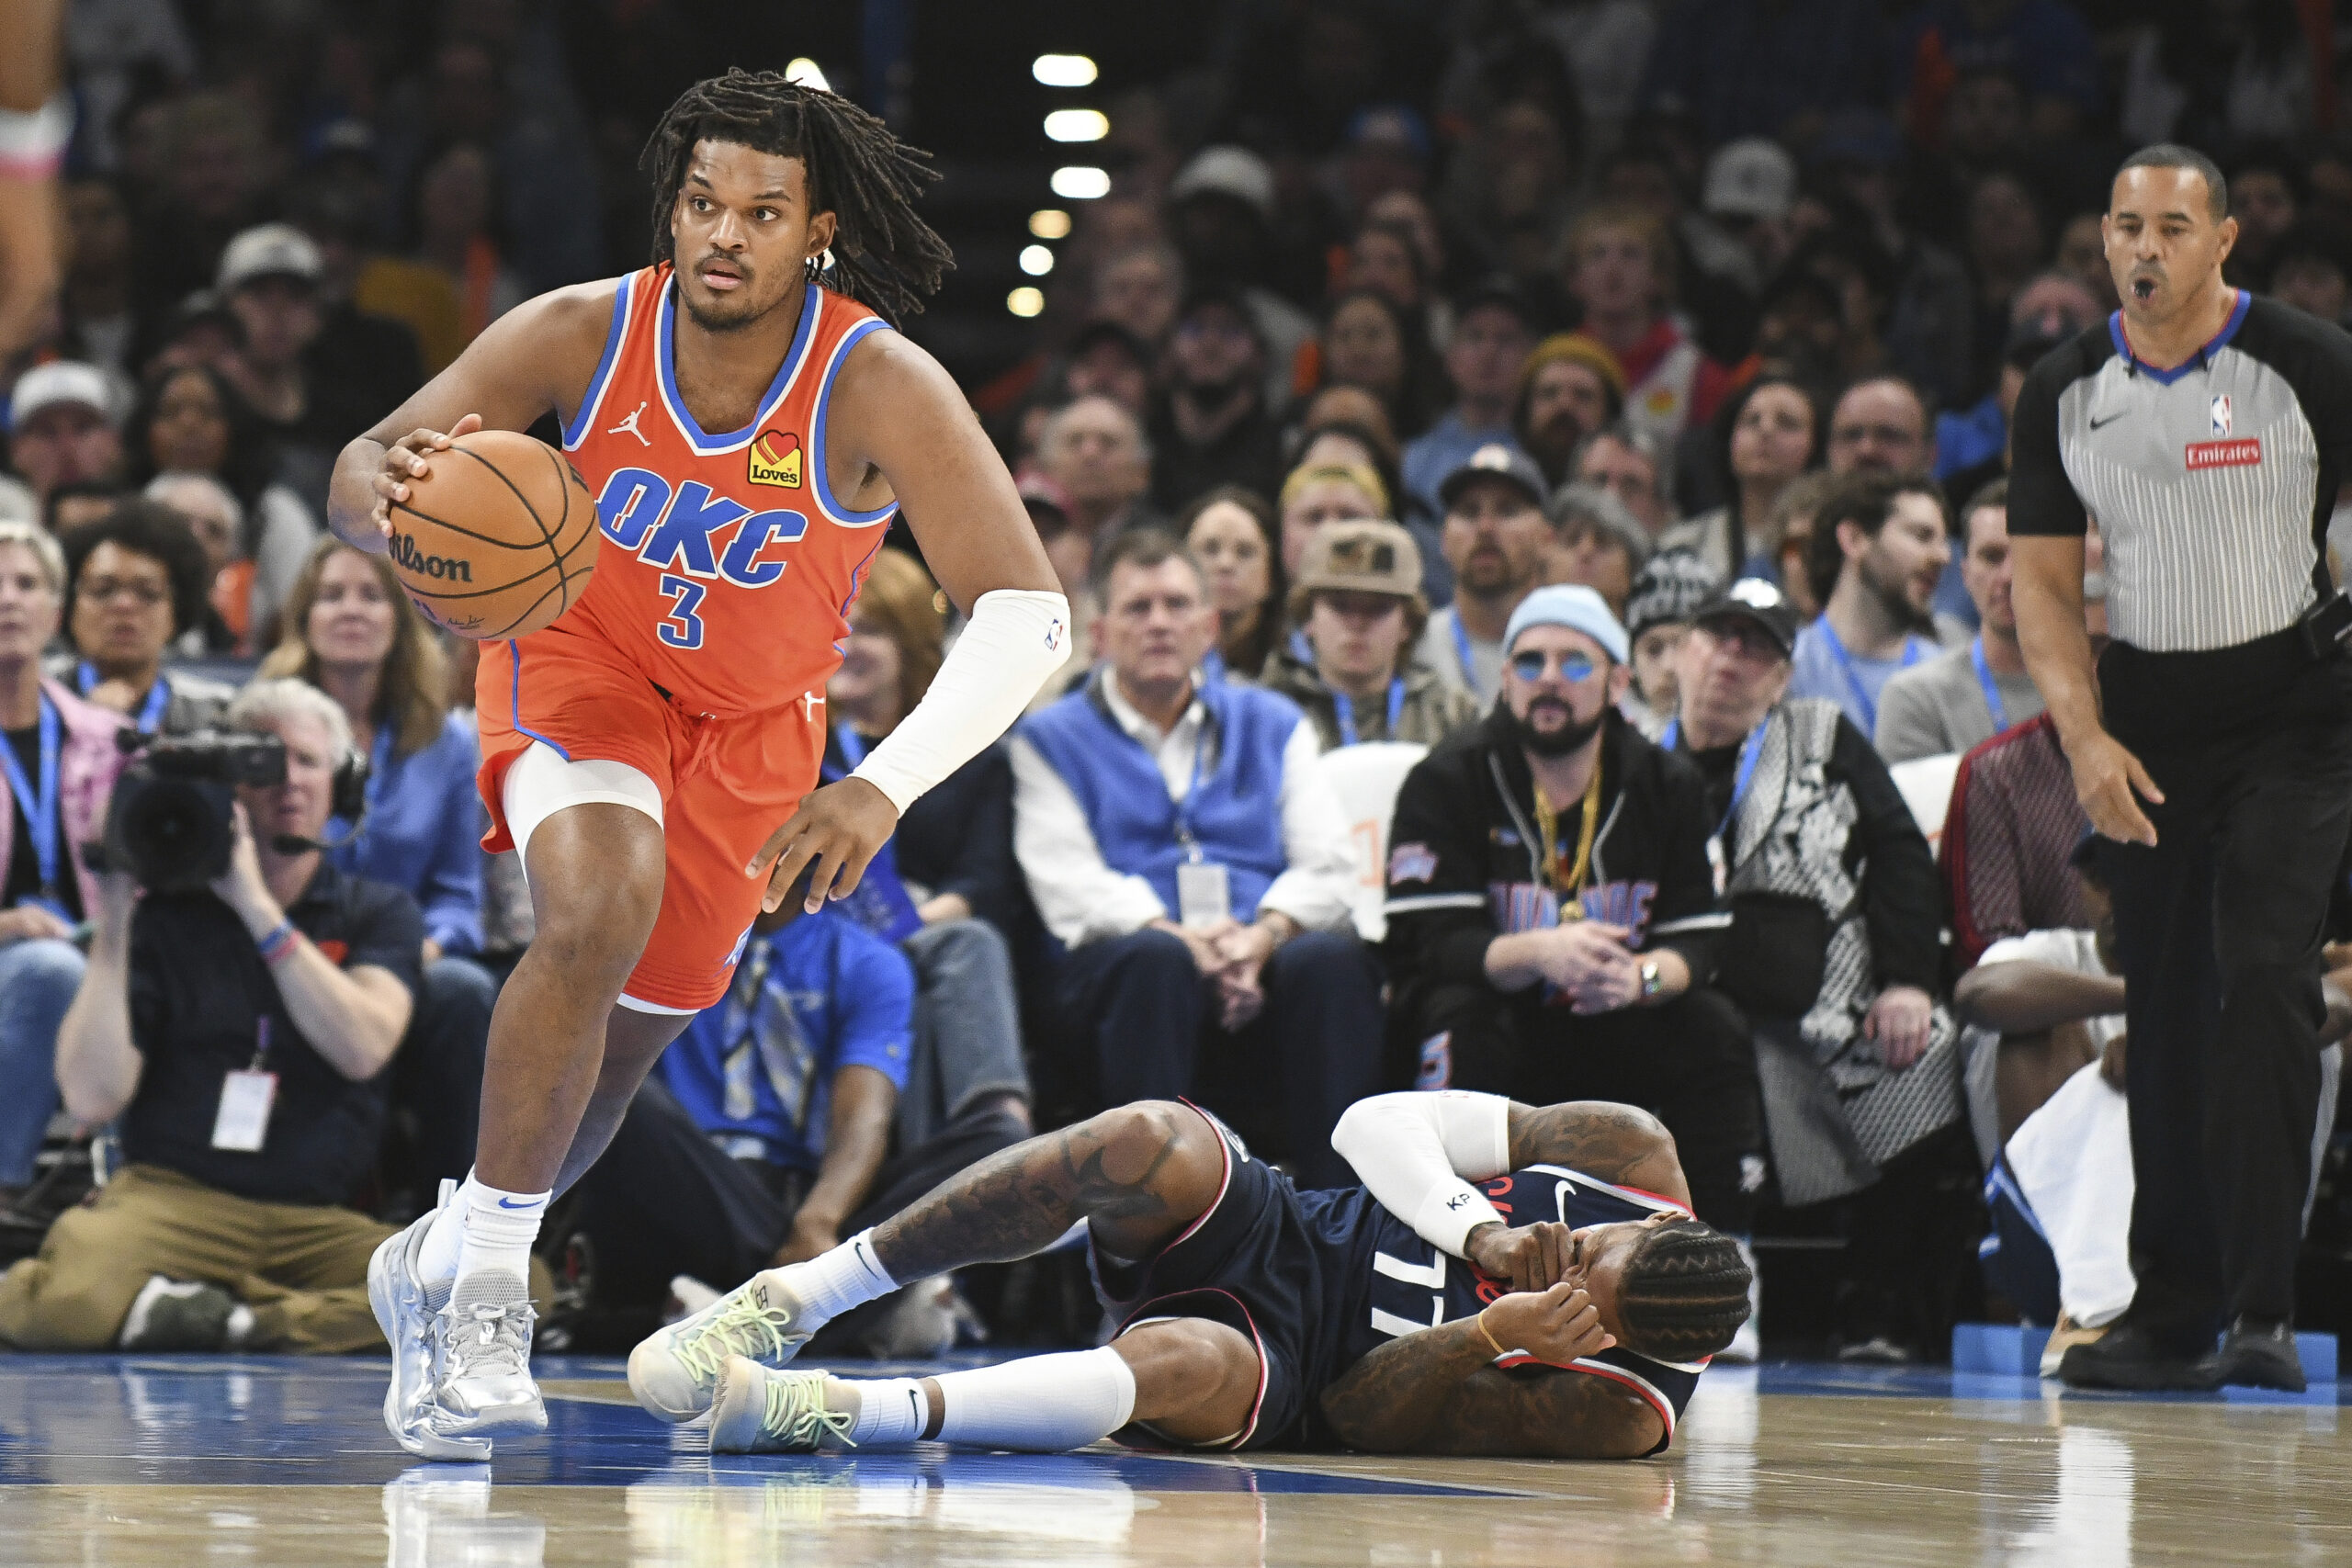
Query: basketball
{"type": "Point", "coordinates": [497, 538]}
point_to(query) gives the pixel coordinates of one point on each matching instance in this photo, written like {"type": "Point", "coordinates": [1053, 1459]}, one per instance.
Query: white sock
{"type": "Point", "coordinates": [482, 1227]}
{"type": "Point", "coordinates": [891, 1412]}
{"type": "Point", "coordinates": [831, 1283]}
{"type": "Point", "coordinates": [1040, 1403]}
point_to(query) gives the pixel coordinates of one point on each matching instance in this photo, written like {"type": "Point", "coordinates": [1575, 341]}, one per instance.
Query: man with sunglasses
{"type": "Point", "coordinates": [1553, 911]}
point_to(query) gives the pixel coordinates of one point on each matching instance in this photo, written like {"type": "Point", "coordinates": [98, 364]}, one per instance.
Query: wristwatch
{"type": "Point", "coordinates": [1652, 982]}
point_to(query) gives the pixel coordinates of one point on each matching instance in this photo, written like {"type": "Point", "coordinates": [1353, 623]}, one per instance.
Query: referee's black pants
{"type": "Point", "coordinates": [2219, 928]}
{"type": "Point", "coordinates": [1689, 1062]}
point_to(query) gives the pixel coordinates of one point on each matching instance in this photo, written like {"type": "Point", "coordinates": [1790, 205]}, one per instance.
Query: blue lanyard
{"type": "Point", "coordinates": [1462, 652]}
{"type": "Point", "coordinates": [1300, 648]}
{"type": "Point", "coordinates": [1192, 791]}
{"type": "Point", "coordinates": [1985, 679]}
{"type": "Point", "coordinates": [1862, 698]}
{"type": "Point", "coordinates": [150, 712]}
{"type": "Point", "coordinates": [1750, 749]}
{"type": "Point", "coordinates": [40, 805]}
{"type": "Point", "coordinates": [1343, 708]}
{"type": "Point", "coordinates": [852, 743]}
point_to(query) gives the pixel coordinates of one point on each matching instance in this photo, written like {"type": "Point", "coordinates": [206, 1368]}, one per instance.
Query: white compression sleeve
{"type": "Point", "coordinates": [1017, 636]}
{"type": "Point", "coordinates": [1039, 1404]}
{"type": "Point", "coordinates": [1417, 1152]}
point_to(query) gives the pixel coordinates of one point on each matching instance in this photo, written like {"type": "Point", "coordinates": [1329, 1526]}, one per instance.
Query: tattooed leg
{"type": "Point", "coordinates": [1138, 1176]}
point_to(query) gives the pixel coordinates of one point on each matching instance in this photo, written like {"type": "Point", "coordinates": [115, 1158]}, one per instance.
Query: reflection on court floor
{"type": "Point", "coordinates": [265, 1462]}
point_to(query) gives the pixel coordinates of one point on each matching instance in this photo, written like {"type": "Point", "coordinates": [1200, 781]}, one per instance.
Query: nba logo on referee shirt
{"type": "Point", "coordinates": [2221, 411]}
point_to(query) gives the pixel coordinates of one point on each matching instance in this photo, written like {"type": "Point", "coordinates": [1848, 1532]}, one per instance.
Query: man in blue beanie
{"type": "Point", "coordinates": [1554, 909]}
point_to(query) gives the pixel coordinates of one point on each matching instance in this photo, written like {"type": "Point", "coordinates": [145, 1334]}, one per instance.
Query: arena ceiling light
{"type": "Point", "coordinates": [1036, 260]}
{"type": "Point", "coordinates": [1077, 181]}
{"type": "Point", "coordinates": [1049, 223]}
{"type": "Point", "coordinates": [806, 73]}
{"type": "Point", "coordinates": [1025, 302]}
{"type": "Point", "coordinates": [1064, 70]}
{"type": "Point", "coordinates": [1077, 125]}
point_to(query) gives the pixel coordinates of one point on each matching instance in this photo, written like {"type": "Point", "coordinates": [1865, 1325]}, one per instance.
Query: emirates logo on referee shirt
{"type": "Point", "coordinates": [2246, 453]}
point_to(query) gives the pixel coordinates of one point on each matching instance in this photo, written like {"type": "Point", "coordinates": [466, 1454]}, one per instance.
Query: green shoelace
{"type": "Point", "coordinates": [747, 1326]}
{"type": "Point", "coordinates": [796, 1415]}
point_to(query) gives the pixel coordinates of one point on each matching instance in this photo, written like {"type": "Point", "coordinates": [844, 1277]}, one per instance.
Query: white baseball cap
{"type": "Point", "coordinates": [271, 250]}
{"type": "Point", "coordinates": [1753, 177]}
{"type": "Point", "coordinates": [61, 381]}
{"type": "Point", "coordinates": [1228, 171]}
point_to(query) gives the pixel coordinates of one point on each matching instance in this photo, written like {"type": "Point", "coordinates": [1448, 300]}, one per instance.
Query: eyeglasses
{"type": "Point", "coordinates": [1574, 668]}
{"type": "Point", "coordinates": [142, 591]}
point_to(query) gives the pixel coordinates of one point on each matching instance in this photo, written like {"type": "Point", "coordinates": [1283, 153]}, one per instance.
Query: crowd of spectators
{"type": "Point", "coordinates": [1531, 476]}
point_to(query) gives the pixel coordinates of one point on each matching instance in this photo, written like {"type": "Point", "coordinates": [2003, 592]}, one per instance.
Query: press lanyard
{"type": "Point", "coordinates": [1462, 653]}
{"type": "Point", "coordinates": [852, 743]}
{"type": "Point", "coordinates": [40, 805]}
{"type": "Point", "coordinates": [150, 712]}
{"type": "Point", "coordinates": [1863, 697]}
{"type": "Point", "coordinates": [1750, 749]}
{"type": "Point", "coordinates": [1192, 793]}
{"type": "Point", "coordinates": [261, 1042]}
{"type": "Point", "coordinates": [1546, 833]}
{"type": "Point", "coordinates": [1343, 708]}
{"type": "Point", "coordinates": [1985, 679]}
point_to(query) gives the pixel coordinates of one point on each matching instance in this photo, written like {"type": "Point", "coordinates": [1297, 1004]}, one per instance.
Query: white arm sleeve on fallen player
{"type": "Point", "coordinates": [1416, 1155]}
{"type": "Point", "coordinates": [1017, 636]}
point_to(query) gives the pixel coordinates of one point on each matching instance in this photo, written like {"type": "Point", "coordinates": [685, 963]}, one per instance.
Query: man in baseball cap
{"type": "Point", "coordinates": [1358, 607]}
{"type": "Point", "coordinates": [63, 426]}
{"type": "Point", "coordinates": [1494, 538]}
{"type": "Point", "coordinates": [1733, 668]}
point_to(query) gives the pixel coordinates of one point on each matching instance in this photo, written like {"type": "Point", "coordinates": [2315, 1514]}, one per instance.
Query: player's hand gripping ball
{"type": "Point", "coordinates": [496, 538]}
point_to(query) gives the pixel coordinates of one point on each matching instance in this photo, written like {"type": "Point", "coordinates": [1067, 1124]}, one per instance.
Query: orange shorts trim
{"type": "Point", "coordinates": [726, 785]}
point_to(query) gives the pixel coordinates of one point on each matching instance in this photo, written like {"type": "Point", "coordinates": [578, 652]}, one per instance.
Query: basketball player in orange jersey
{"type": "Point", "coordinates": [749, 422]}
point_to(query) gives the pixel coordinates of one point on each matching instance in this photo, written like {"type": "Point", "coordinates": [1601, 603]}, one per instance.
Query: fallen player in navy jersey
{"type": "Point", "coordinates": [1507, 1280]}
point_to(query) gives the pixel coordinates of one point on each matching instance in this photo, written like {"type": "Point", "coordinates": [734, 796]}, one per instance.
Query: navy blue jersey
{"type": "Point", "coordinates": [1399, 1282]}
{"type": "Point", "coordinates": [1318, 1280]}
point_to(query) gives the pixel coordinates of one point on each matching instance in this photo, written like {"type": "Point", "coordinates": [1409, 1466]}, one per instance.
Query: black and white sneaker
{"type": "Point", "coordinates": [177, 1315]}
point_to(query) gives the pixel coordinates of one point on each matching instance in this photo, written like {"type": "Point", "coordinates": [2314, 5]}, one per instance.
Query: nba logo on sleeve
{"type": "Point", "coordinates": [2220, 409]}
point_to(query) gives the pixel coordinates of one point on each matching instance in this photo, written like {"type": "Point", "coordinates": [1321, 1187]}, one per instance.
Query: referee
{"type": "Point", "coordinates": [2209, 434]}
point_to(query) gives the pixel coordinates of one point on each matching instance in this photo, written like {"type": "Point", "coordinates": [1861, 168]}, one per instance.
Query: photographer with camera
{"type": "Point", "coordinates": [56, 773]}
{"type": "Point", "coordinates": [236, 1029]}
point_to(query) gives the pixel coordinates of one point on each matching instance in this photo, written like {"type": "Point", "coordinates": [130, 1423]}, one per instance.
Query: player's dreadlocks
{"type": "Point", "coordinates": [883, 256]}
{"type": "Point", "coordinates": [1684, 1291]}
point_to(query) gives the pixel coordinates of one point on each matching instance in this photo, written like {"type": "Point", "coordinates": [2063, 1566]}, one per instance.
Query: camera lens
{"type": "Point", "coordinates": [171, 833]}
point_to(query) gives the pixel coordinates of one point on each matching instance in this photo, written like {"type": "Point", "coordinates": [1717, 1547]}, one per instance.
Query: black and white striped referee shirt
{"type": "Point", "coordinates": [2213, 482]}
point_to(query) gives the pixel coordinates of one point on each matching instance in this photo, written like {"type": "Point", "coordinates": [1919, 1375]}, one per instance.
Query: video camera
{"type": "Point", "coordinates": [171, 824]}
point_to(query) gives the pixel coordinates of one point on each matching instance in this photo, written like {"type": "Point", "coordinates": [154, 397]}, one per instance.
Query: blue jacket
{"type": "Point", "coordinates": [830, 995]}
{"type": "Point", "coordinates": [1233, 812]}
{"type": "Point", "coordinates": [423, 831]}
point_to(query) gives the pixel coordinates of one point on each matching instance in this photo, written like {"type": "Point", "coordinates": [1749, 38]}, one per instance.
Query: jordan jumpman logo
{"type": "Point", "coordinates": [628, 426]}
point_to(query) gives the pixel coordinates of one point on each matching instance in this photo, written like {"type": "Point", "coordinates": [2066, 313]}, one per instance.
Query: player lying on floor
{"type": "Point", "coordinates": [1562, 1307]}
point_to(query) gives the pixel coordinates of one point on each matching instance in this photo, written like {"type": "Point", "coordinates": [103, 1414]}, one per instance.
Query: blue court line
{"type": "Point", "coordinates": [221, 1421]}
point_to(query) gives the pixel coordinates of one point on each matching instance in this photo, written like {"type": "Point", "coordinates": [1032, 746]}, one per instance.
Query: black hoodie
{"type": "Point", "coordinates": [1463, 852]}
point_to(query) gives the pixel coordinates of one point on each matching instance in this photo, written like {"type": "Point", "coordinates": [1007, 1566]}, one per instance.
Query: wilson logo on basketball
{"type": "Point", "coordinates": [776, 459]}
{"type": "Point", "coordinates": [443, 568]}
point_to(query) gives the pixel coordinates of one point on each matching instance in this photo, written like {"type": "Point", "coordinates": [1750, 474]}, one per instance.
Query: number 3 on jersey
{"type": "Point", "coordinates": [682, 628]}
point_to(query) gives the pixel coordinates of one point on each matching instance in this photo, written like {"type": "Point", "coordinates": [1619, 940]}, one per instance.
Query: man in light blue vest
{"type": "Point", "coordinates": [1193, 866]}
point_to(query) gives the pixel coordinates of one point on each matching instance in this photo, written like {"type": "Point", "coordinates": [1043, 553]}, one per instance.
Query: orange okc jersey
{"type": "Point", "coordinates": [728, 565]}
{"type": "Point", "coordinates": [699, 654]}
